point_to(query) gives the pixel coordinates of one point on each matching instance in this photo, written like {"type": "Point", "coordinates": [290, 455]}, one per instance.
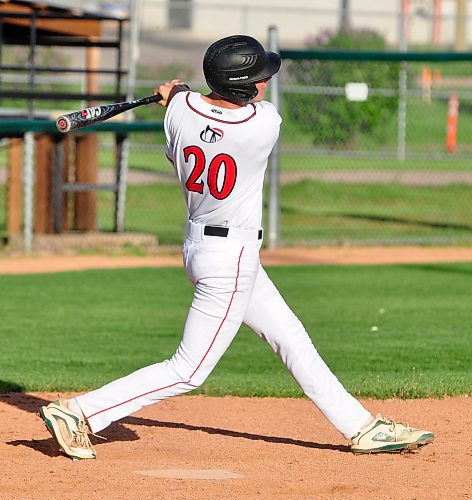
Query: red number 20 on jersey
{"type": "Point", "coordinates": [222, 160]}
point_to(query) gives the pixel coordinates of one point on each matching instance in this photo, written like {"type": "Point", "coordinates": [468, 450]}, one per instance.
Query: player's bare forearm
{"type": "Point", "coordinates": [168, 90]}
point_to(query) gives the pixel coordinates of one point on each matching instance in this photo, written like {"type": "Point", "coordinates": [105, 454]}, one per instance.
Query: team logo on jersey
{"type": "Point", "coordinates": [211, 134]}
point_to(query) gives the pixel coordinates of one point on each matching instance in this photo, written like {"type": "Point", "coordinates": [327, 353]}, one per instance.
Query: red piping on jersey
{"type": "Point", "coordinates": [216, 119]}
{"type": "Point", "coordinates": [199, 364]}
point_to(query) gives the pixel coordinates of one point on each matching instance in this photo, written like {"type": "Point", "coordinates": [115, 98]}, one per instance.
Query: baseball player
{"type": "Point", "coordinates": [218, 145]}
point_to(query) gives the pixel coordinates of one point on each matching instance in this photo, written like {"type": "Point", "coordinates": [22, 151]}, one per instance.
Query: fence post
{"type": "Point", "coordinates": [402, 82]}
{"type": "Point", "coordinates": [274, 175]}
{"type": "Point", "coordinates": [122, 158]}
{"type": "Point", "coordinates": [124, 142]}
{"type": "Point", "coordinates": [28, 188]}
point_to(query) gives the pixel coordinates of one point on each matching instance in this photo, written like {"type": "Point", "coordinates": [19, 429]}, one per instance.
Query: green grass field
{"type": "Point", "coordinates": [75, 331]}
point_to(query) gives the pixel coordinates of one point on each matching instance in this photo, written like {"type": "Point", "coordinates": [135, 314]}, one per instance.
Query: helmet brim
{"type": "Point", "coordinates": [272, 66]}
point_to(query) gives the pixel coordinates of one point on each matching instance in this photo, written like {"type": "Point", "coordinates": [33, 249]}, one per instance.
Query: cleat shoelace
{"type": "Point", "coordinates": [80, 437]}
{"type": "Point", "coordinates": [393, 425]}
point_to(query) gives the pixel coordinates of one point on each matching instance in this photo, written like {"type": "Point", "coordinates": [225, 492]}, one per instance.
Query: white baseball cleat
{"type": "Point", "coordinates": [68, 429]}
{"type": "Point", "coordinates": [386, 435]}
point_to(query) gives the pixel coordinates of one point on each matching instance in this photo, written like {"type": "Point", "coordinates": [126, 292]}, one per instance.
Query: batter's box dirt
{"type": "Point", "coordinates": [196, 447]}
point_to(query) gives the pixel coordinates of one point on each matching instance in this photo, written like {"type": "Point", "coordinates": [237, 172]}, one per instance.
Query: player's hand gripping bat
{"type": "Point", "coordinates": [94, 114]}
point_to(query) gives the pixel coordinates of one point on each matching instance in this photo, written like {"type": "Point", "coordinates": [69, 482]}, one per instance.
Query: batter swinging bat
{"type": "Point", "coordinates": [95, 114]}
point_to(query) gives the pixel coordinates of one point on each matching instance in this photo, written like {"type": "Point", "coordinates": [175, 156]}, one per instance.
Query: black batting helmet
{"type": "Point", "coordinates": [234, 64]}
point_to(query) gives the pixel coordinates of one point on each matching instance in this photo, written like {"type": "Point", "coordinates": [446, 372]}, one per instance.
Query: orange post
{"type": "Point", "coordinates": [452, 117]}
{"type": "Point", "coordinates": [426, 82]}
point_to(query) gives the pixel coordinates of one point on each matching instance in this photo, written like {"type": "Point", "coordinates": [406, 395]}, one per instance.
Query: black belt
{"type": "Point", "coordinates": [223, 231]}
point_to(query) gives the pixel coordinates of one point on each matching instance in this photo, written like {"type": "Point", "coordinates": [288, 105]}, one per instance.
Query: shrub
{"type": "Point", "coordinates": [328, 116]}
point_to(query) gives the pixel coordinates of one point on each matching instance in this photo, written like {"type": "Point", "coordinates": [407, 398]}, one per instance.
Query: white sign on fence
{"type": "Point", "coordinates": [356, 91]}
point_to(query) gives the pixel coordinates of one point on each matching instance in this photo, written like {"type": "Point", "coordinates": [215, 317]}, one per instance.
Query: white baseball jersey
{"type": "Point", "coordinates": [220, 157]}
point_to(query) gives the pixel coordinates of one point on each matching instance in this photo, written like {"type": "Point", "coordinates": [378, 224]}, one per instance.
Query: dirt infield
{"type": "Point", "coordinates": [196, 447]}
{"type": "Point", "coordinates": [282, 256]}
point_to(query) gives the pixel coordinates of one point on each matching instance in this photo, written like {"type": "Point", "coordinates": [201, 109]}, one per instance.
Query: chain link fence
{"type": "Point", "coordinates": [385, 167]}
{"type": "Point", "coordinates": [154, 212]}
{"type": "Point", "coordinates": [375, 150]}
{"type": "Point", "coordinates": [154, 202]}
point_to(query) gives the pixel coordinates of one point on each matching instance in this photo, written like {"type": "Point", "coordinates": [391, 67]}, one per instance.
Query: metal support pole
{"type": "Point", "coordinates": [345, 20]}
{"type": "Point", "coordinates": [57, 192]}
{"type": "Point", "coordinates": [123, 157]}
{"type": "Point", "coordinates": [402, 82]}
{"type": "Point", "coordinates": [402, 97]}
{"type": "Point", "coordinates": [274, 170]}
{"type": "Point", "coordinates": [28, 188]}
{"type": "Point", "coordinates": [28, 157]}
{"type": "Point", "coordinates": [122, 178]}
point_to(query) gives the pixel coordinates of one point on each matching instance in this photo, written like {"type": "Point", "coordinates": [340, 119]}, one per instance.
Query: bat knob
{"type": "Point", "coordinates": [63, 124]}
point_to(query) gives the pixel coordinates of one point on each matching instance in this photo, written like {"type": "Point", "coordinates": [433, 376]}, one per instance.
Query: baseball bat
{"type": "Point", "coordinates": [95, 114]}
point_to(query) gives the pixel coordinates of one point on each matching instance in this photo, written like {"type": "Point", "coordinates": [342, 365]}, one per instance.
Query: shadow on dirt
{"type": "Point", "coordinates": [236, 434]}
{"type": "Point", "coordinates": [30, 403]}
{"type": "Point", "coordinates": [45, 446]}
{"type": "Point", "coordinates": [120, 432]}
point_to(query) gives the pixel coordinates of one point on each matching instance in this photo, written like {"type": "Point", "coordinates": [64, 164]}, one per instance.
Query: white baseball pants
{"type": "Point", "coordinates": [231, 287]}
